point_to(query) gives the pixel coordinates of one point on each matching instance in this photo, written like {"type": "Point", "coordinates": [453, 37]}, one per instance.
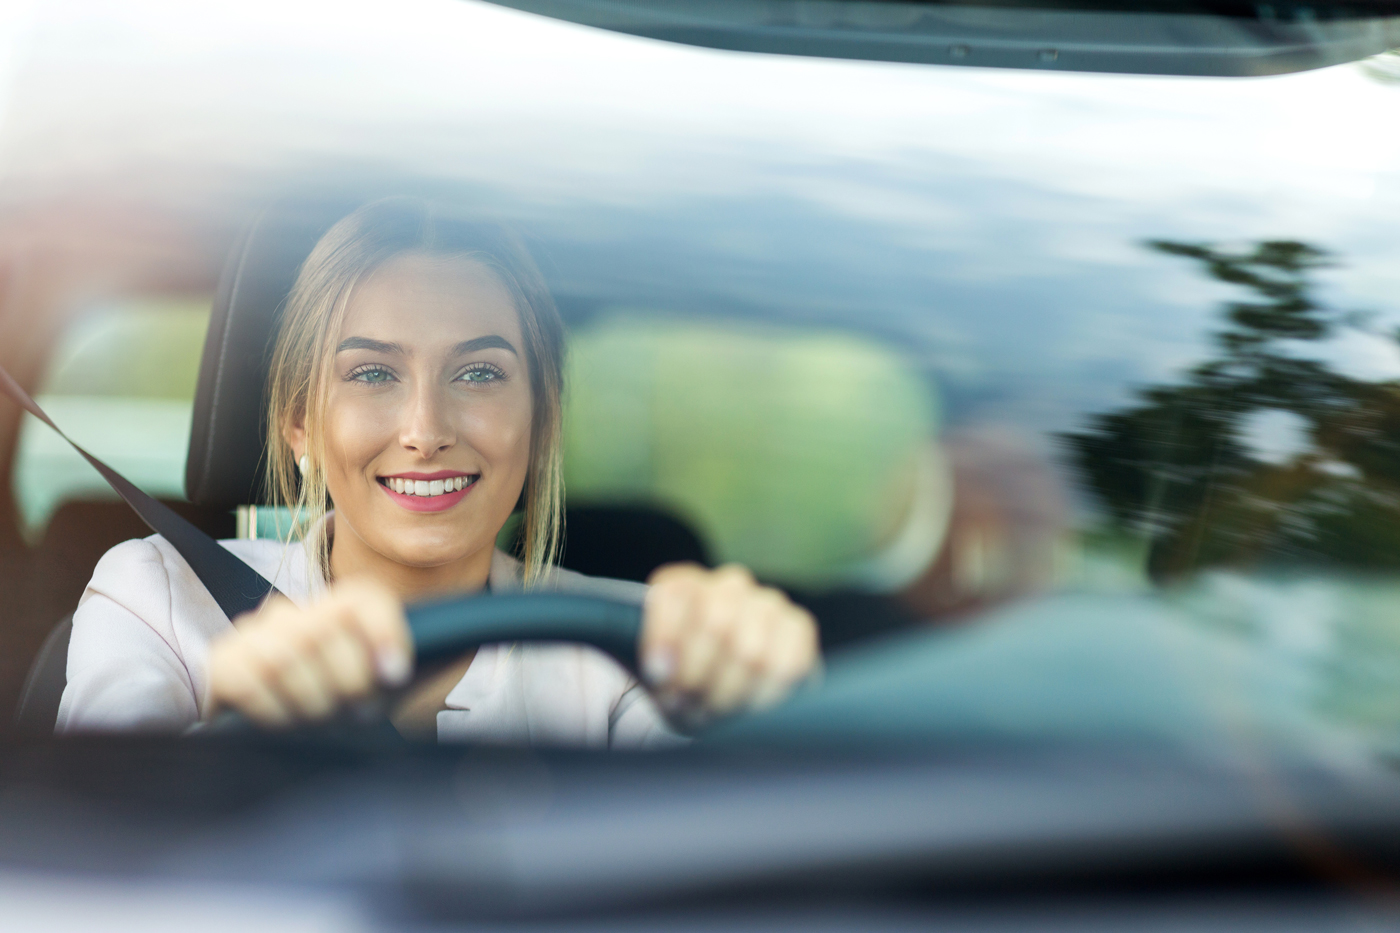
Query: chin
{"type": "Point", "coordinates": [431, 550]}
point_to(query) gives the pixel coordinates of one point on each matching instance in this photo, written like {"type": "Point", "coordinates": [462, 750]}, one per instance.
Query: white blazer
{"type": "Point", "coordinates": [141, 635]}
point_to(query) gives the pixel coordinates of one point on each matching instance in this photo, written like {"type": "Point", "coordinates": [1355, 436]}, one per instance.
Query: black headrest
{"type": "Point", "coordinates": [225, 465]}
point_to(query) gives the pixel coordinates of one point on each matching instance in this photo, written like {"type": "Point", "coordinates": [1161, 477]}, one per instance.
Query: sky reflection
{"type": "Point", "coordinates": [990, 221]}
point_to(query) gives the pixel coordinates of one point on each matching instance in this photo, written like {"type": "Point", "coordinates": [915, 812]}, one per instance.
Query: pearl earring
{"type": "Point", "coordinates": [301, 465]}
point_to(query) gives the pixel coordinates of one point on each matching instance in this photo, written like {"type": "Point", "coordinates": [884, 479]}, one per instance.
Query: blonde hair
{"type": "Point", "coordinates": [304, 353]}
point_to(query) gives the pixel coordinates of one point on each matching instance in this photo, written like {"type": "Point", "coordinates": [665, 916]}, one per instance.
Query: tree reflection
{"type": "Point", "coordinates": [1384, 67]}
{"type": "Point", "coordinates": [1179, 466]}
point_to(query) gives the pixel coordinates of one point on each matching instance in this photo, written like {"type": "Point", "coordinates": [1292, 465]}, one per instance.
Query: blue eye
{"type": "Point", "coordinates": [374, 375]}
{"type": "Point", "coordinates": [481, 373]}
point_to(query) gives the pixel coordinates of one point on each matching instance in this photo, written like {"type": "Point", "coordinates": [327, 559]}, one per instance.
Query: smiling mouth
{"type": "Point", "coordinates": [427, 488]}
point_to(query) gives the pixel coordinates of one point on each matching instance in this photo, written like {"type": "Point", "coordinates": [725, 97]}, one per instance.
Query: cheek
{"type": "Point", "coordinates": [499, 431]}
{"type": "Point", "coordinates": [356, 432]}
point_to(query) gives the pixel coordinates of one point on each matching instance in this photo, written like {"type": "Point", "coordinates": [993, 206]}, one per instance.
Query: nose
{"type": "Point", "coordinates": [426, 429]}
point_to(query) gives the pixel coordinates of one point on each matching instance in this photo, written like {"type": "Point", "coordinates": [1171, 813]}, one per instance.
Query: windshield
{"type": "Point", "coordinates": [1067, 403]}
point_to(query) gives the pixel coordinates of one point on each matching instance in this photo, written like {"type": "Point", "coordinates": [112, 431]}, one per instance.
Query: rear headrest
{"type": "Point", "coordinates": [225, 465]}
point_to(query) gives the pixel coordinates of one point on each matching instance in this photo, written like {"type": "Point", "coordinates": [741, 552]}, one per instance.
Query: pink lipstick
{"type": "Point", "coordinates": [428, 492]}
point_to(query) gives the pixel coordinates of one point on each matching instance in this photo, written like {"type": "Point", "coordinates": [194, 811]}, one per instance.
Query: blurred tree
{"type": "Point", "coordinates": [1179, 466]}
{"type": "Point", "coordinates": [1384, 67]}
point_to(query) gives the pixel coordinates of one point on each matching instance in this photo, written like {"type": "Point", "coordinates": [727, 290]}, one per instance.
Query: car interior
{"type": "Point", "coordinates": [620, 528]}
{"type": "Point", "coordinates": [1047, 352]}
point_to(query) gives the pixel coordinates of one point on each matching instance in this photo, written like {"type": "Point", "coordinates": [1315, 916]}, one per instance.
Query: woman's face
{"type": "Point", "coordinates": [427, 429]}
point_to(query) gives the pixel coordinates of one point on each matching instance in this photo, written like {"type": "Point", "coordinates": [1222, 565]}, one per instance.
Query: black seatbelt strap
{"type": "Point", "coordinates": [235, 586]}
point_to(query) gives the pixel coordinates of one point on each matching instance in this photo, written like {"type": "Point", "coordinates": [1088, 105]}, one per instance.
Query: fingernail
{"type": "Point", "coordinates": [658, 666]}
{"type": "Point", "coordinates": [394, 666]}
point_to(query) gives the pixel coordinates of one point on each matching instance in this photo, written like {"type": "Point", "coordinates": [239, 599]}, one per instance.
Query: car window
{"type": "Point", "coordinates": [120, 382]}
{"type": "Point", "coordinates": [1066, 402]}
{"type": "Point", "coordinates": [914, 342]}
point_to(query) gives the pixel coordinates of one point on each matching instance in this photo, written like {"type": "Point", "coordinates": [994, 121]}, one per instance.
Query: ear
{"type": "Point", "coordinates": [294, 433]}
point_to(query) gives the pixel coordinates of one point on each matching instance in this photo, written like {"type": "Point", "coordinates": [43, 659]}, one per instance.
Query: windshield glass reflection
{"type": "Point", "coordinates": [1157, 310]}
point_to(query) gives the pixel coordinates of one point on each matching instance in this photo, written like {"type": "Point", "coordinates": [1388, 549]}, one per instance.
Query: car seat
{"type": "Point", "coordinates": [224, 465]}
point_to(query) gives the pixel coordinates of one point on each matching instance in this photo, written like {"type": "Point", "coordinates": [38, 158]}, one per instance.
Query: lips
{"type": "Point", "coordinates": [428, 492]}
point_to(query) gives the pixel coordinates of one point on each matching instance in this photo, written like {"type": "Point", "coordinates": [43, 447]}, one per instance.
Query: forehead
{"type": "Point", "coordinates": [421, 298]}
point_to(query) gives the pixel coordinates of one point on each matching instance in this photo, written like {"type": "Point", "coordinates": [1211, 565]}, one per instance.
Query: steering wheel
{"type": "Point", "coordinates": [450, 627]}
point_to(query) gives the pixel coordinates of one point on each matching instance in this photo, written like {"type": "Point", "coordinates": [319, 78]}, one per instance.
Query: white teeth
{"type": "Point", "coordinates": [422, 487]}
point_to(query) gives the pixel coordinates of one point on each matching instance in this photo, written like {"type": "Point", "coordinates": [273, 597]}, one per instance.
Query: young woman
{"type": "Point", "coordinates": [416, 385]}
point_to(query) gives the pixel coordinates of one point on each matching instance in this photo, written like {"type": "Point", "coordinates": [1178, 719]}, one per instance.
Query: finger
{"type": "Point", "coordinates": [729, 688]}
{"type": "Point", "coordinates": [761, 615]}
{"type": "Point", "coordinates": [377, 615]}
{"type": "Point", "coordinates": [681, 570]}
{"type": "Point", "coordinates": [236, 684]}
{"type": "Point", "coordinates": [347, 661]}
{"type": "Point", "coordinates": [725, 596]}
{"type": "Point", "coordinates": [334, 656]}
{"type": "Point", "coordinates": [743, 663]}
{"type": "Point", "coordinates": [668, 612]}
{"type": "Point", "coordinates": [697, 652]}
{"type": "Point", "coordinates": [796, 649]}
{"type": "Point", "coordinates": [792, 656]}
{"type": "Point", "coordinates": [284, 659]}
{"type": "Point", "coordinates": [719, 608]}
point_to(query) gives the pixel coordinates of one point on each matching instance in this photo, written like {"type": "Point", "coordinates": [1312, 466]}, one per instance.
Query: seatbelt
{"type": "Point", "coordinates": [235, 586]}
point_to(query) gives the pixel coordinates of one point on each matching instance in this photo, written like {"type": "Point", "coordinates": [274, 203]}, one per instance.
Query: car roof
{"type": "Point", "coordinates": [1166, 37]}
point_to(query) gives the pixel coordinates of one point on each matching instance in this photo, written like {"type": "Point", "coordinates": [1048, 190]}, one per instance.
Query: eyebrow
{"type": "Point", "coordinates": [466, 346]}
{"type": "Point", "coordinates": [482, 343]}
{"type": "Point", "coordinates": [364, 343]}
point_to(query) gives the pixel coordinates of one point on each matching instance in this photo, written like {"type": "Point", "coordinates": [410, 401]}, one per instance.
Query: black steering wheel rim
{"type": "Point", "coordinates": [450, 627]}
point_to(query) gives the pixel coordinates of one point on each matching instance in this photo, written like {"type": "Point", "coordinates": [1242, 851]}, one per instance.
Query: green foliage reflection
{"type": "Point", "coordinates": [1177, 466]}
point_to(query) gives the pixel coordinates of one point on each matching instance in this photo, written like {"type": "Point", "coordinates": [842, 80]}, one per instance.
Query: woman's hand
{"type": "Point", "coordinates": [284, 665]}
{"type": "Point", "coordinates": [714, 642]}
